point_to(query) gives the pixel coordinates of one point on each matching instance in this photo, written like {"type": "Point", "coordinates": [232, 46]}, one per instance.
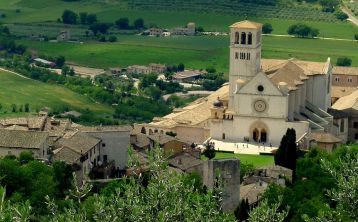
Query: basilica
{"type": "Point", "coordinates": [263, 98]}
{"type": "Point", "coordinates": [262, 105]}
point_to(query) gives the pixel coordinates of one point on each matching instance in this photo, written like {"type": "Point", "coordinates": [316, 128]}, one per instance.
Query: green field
{"type": "Point", "coordinates": [195, 52]}
{"type": "Point", "coordinates": [110, 10]}
{"type": "Point", "coordinates": [17, 90]}
{"type": "Point", "coordinates": [256, 160]}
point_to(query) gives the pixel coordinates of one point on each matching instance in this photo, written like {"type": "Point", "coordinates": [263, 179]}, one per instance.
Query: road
{"type": "Point", "coordinates": [292, 36]}
{"type": "Point", "coordinates": [202, 92]}
{"type": "Point", "coordinates": [15, 73]}
{"type": "Point", "coordinates": [351, 18]}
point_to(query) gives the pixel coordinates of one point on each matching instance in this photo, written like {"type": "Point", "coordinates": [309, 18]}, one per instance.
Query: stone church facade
{"type": "Point", "coordinates": [262, 105]}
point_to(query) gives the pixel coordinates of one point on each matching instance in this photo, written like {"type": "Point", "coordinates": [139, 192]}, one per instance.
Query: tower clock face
{"type": "Point", "coordinates": [260, 105]}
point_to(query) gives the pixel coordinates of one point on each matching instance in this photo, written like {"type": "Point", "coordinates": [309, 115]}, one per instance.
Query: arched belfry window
{"type": "Point", "coordinates": [237, 37]}
{"type": "Point", "coordinates": [243, 38]}
{"type": "Point", "coordinates": [249, 38]}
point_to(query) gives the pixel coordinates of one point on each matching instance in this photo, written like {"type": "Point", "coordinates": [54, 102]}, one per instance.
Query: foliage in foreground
{"type": "Point", "coordinates": [162, 196]}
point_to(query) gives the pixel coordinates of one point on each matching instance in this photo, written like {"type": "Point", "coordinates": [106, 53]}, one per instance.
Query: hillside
{"type": "Point", "coordinates": [19, 91]}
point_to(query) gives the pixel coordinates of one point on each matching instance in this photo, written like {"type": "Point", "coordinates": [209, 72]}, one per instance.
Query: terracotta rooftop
{"type": "Point", "coordinates": [184, 161]}
{"type": "Point", "coordinates": [341, 70]}
{"type": "Point", "coordinates": [246, 24]}
{"type": "Point", "coordinates": [66, 154]}
{"type": "Point", "coordinates": [347, 102]}
{"type": "Point", "coordinates": [22, 139]}
{"type": "Point", "coordinates": [252, 192]}
{"type": "Point", "coordinates": [78, 142]}
{"type": "Point", "coordinates": [340, 91]}
{"type": "Point", "coordinates": [323, 137]}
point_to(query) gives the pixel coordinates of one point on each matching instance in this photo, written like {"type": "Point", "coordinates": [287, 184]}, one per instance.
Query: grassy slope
{"type": "Point", "coordinates": [50, 10]}
{"type": "Point", "coordinates": [17, 90]}
{"type": "Point", "coordinates": [196, 52]}
{"type": "Point", "coordinates": [256, 160]}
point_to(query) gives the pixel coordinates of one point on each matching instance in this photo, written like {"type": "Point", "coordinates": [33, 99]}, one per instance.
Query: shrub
{"type": "Point", "coordinates": [341, 15]}
{"type": "Point", "coordinates": [112, 38]}
{"type": "Point", "coordinates": [344, 61]}
{"type": "Point", "coordinates": [356, 36]}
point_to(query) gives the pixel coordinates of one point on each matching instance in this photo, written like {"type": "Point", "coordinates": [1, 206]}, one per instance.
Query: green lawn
{"type": "Point", "coordinates": [256, 160]}
{"type": "Point", "coordinates": [17, 90]}
{"type": "Point", "coordinates": [195, 52]}
{"type": "Point", "coordinates": [109, 11]}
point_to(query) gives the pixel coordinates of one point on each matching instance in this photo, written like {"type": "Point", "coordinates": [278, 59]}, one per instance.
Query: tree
{"type": "Point", "coordinates": [341, 15]}
{"type": "Point", "coordinates": [83, 18]}
{"type": "Point", "coordinates": [181, 67]}
{"type": "Point", "coordinates": [154, 92]}
{"type": "Point", "coordinates": [139, 23]}
{"type": "Point", "coordinates": [100, 28]}
{"type": "Point", "coordinates": [356, 36]}
{"type": "Point", "coordinates": [60, 61]}
{"type": "Point", "coordinates": [13, 108]}
{"type": "Point", "coordinates": [65, 70]}
{"type": "Point", "coordinates": [27, 108]}
{"type": "Point", "coordinates": [286, 154]}
{"type": "Point", "coordinates": [122, 23]}
{"type": "Point", "coordinates": [91, 19]}
{"type": "Point", "coordinates": [69, 17]}
{"type": "Point", "coordinates": [302, 31]}
{"type": "Point", "coordinates": [344, 61]}
{"type": "Point", "coordinates": [266, 212]}
{"type": "Point", "coordinates": [26, 157]}
{"type": "Point", "coordinates": [267, 28]}
{"type": "Point", "coordinates": [209, 151]}
{"type": "Point", "coordinates": [0, 106]}
{"type": "Point", "coordinates": [329, 5]}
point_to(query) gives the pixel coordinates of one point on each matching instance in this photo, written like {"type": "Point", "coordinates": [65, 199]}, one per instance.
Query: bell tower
{"type": "Point", "coordinates": [245, 53]}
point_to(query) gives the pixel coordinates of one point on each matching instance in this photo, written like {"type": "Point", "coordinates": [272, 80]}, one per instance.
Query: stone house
{"type": "Point", "coordinates": [157, 68]}
{"type": "Point", "coordinates": [349, 105]}
{"type": "Point", "coordinates": [169, 144]}
{"type": "Point", "coordinates": [188, 75]}
{"type": "Point", "coordinates": [187, 163]}
{"type": "Point", "coordinates": [188, 30]}
{"type": "Point", "coordinates": [13, 142]}
{"type": "Point", "coordinates": [324, 141]}
{"type": "Point", "coordinates": [137, 69]}
{"type": "Point", "coordinates": [345, 76]}
{"type": "Point", "coordinates": [115, 141]}
{"type": "Point", "coordinates": [64, 36]}
{"type": "Point", "coordinates": [80, 150]}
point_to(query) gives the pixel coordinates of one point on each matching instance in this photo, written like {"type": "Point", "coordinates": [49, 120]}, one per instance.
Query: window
{"type": "Point", "coordinates": [237, 38]}
{"type": "Point", "coordinates": [249, 38]}
{"type": "Point", "coordinates": [260, 88]}
{"type": "Point", "coordinates": [224, 136]}
{"type": "Point", "coordinates": [355, 124]}
{"type": "Point", "coordinates": [337, 79]}
{"type": "Point", "coordinates": [105, 158]}
{"type": "Point", "coordinates": [243, 38]}
{"type": "Point", "coordinates": [103, 145]}
{"type": "Point", "coordinates": [350, 79]}
{"type": "Point", "coordinates": [248, 56]}
{"type": "Point", "coordinates": [356, 136]}
{"type": "Point", "coordinates": [236, 55]}
{"type": "Point", "coordinates": [342, 126]}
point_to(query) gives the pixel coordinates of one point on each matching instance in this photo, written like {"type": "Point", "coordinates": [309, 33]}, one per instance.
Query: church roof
{"type": "Point", "coordinates": [310, 68]}
{"type": "Point", "coordinates": [290, 73]}
{"type": "Point", "coordinates": [246, 24]}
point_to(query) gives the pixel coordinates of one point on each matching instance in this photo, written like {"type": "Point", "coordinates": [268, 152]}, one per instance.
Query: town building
{"type": "Point", "coordinates": [64, 35]}
{"type": "Point", "coordinates": [13, 142]}
{"type": "Point", "coordinates": [349, 105]}
{"type": "Point", "coordinates": [188, 30]}
{"type": "Point", "coordinates": [157, 68]}
{"type": "Point", "coordinates": [188, 76]}
{"type": "Point", "coordinates": [44, 62]}
{"type": "Point", "coordinates": [137, 69]}
{"type": "Point", "coordinates": [345, 76]}
{"type": "Point", "coordinates": [155, 31]}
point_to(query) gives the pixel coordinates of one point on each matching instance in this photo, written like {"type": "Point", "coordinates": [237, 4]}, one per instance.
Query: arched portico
{"type": "Point", "coordinates": [259, 132]}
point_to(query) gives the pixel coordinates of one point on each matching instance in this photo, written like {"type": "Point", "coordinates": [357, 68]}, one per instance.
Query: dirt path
{"type": "Point", "coordinates": [15, 73]}
{"type": "Point", "coordinates": [292, 36]}
{"type": "Point", "coordinates": [351, 18]}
